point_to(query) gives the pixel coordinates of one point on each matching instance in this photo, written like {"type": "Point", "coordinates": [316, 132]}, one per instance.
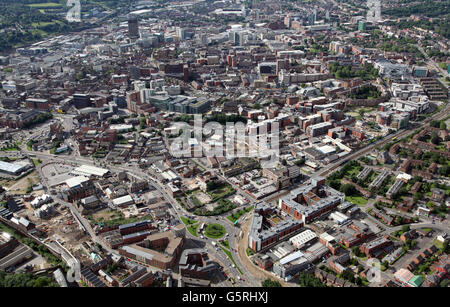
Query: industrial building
{"type": "Point", "coordinates": [14, 168]}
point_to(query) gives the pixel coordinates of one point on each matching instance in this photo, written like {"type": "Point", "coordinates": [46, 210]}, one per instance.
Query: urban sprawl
{"type": "Point", "coordinates": [358, 195]}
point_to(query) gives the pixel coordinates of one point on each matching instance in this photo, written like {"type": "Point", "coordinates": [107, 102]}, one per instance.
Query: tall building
{"type": "Point", "coordinates": [362, 25]}
{"type": "Point", "coordinates": [181, 33]}
{"type": "Point", "coordinates": [311, 19]}
{"type": "Point", "coordinates": [237, 38]}
{"type": "Point", "coordinates": [133, 26]}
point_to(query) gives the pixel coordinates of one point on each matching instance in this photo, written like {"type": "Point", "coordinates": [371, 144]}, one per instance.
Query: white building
{"type": "Point", "coordinates": [303, 238]}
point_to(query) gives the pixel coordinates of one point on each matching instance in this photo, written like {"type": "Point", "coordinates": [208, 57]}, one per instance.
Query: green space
{"type": "Point", "coordinates": [187, 221]}
{"type": "Point", "coordinates": [192, 229]}
{"type": "Point", "coordinates": [45, 5]}
{"type": "Point", "coordinates": [10, 147]}
{"type": "Point", "coordinates": [249, 252]}
{"type": "Point", "coordinates": [30, 144]}
{"type": "Point", "coordinates": [366, 92]}
{"type": "Point", "coordinates": [228, 253]}
{"type": "Point", "coordinates": [349, 170]}
{"type": "Point", "coordinates": [224, 205]}
{"type": "Point", "coordinates": [215, 231]}
{"type": "Point", "coordinates": [235, 216]}
{"type": "Point", "coordinates": [426, 8]}
{"type": "Point", "coordinates": [223, 119]}
{"type": "Point", "coordinates": [309, 280]}
{"type": "Point", "coordinates": [225, 243]}
{"type": "Point", "coordinates": [343, 246]}
{"type": "Point", "coordinates": [365, 72]}
{"type": "Point", "coordinates": [41, 118]}
{"type": "Point", "coordinates": [218, 190]}
{"type": "Point", "coordinates": [195, 200]}
{"type": "Point", "coordinates": [26, 280]}
{"type": "Point", "coordinates": [36, 162]}
{"type": "Point", "coordinates": [191, 225]}
{"type": "Point", "coordinates": [357, 200]}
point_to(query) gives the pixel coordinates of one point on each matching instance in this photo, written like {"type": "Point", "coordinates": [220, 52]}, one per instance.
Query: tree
{"type": "Point", "coordinates": [435, 138]}
{"type": "Point", "coordinates": [418, 196]}
{"type": "Point", "coordinates": [309, 280]}
{"type": "Point", "coordinates": [442, 125]}
{"type": "Point", "coordinates": [270, 283]}
{"type": "Point", "coordinates": [348, 189]}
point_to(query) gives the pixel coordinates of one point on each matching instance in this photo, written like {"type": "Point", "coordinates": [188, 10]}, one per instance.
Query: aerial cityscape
{"type": "Point", "coordinates": [233, 143]}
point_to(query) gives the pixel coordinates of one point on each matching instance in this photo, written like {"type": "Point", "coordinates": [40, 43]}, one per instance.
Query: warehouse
{"type": "Point", "coordinates": [13, 168]}
{"type": "Point", "coordinates": [303, 238]}
{"type": "Point", "coordinates": [88, 170]}
{"type": "Point", "coordinates": [123, 201]}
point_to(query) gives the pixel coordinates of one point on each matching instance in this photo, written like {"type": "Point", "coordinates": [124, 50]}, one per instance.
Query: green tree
{"type": "Point", "coordinates": [348, 189]}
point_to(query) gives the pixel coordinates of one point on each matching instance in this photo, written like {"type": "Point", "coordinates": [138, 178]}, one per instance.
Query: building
{"type": "Point", "coordinates": [304, 238]}
{"type": "Point", "coordinates": [266, 231]}
{"type": "Point", "coordinates": [310, 201]}
{"type": "Point", "coordinates": [7, 244]}
{"type": "Point", "coordinates": [133, 26]}
{"type": "Point", "coordinates": [377, 247]}
{"type": "Point", "coordinates": [194, 263]}
{"type": "Point", "coordinates": [159, 249]}
{"type": "Point", "coordinates": [290, 265]}
{"type": "Point", "coordinates": [362, 25]}
{"type": "Point", "coordinates": [13, 168]}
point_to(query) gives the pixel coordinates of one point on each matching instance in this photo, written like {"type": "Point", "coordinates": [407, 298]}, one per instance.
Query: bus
{"type": "Point", "coordinates": [202, 226]}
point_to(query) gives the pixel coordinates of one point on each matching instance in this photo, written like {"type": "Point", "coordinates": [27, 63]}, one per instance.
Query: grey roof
{"type": "Point", "coordinates": [10, 167]}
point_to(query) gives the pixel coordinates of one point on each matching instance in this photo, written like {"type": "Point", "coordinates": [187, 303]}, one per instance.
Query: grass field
{"type": "Point", "coordinates": [45, 5]}
{"type": "Point", "coordinates": [193, 229]}
{"type": "Point", "coordinates": [222, 192]}
{"type": "Point", "coordinates": [191, 225]}
{"type": "Point", "coordinates": [215, 231]}
{"type": "Point", "coordinates": [357, 200]}
{"type": "Point", "coordinates": [187, 221]}
{"type": "Point", "coordinates": [225, 244]}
